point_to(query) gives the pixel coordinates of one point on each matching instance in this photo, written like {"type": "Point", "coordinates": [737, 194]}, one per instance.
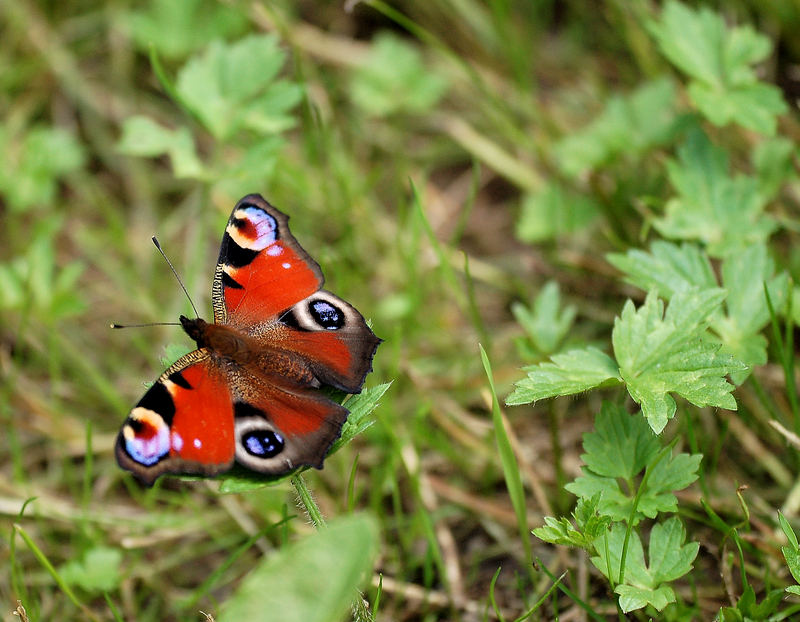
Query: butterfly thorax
{"type": "Point", "coordinates": [257, 356]}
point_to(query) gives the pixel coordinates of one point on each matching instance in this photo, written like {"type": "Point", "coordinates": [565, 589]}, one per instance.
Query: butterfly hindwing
{"type": "Point", "coordinates": [279, 429]}
{"type": "Point", "coordinates": [332, 336]}
{"type": "Point", "coordinates": [183, 424]}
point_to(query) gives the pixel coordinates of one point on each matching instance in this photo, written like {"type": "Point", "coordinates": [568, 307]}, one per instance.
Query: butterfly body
{"type": "Point", "coordinates": [250, 392]}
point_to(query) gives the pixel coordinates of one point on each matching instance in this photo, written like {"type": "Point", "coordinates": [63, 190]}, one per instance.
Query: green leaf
{"type": "Point", "coordinates": [627, 126]}
{"type": "Point", "coordinates": [312, 580]}
{"type": "Point", "coordinates": [590, 524]}
{"type": "Point", "coordinates": [620, 448]}
{"type": "Point", "coordinates": [571, 372]}
{"type": "Point", "coordinates": [547, 324]}
{"type": "Point", "coordinates": [98, 571]}
{"type": "Point", "coordinates": [32, 163]}
{"type": "Point", "coordinates": [141, 136]}
{"type": "Point", "coordinates": [791, 552]}
{"type": "Point", "coordinates": [773, 160]}
{"type": "Point", "coordinates": [667, 268]}
{"type": "Point", "coordinates": [231, 87]}
{"type": "Point", "coordinates": [552, 213]}
{"type": "Point", "coordinates": [621, 445]}
{"type": "Point", "coordinates": [645, 584]}
{"type": "Point", "coordinates": [179, 28]}
{"type": "Point", "coordinates": [724, 213]}
{"type": "Point", "coordinates": [508, 459]}
{"type": "Point", "coordinates": [744, 275]}
{"type": "Point", "coordinates": [660, 353]}
{"type": "Point", "coordinates": [718, 60]}
{"type": "Point", "coordinates": [395, 79]}
{"type": "Point", "coordinates": [361, 407]}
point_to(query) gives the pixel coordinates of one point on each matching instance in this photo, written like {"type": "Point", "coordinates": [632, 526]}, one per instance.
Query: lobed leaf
{"type": "Point", "coordinates": [569, 373]}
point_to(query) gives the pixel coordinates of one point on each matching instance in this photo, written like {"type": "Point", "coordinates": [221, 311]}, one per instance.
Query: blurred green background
{"type": "Point", "coordinates": [442, 161]}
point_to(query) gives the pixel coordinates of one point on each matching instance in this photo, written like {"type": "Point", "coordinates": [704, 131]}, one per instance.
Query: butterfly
{"type": "Point", "coordinates": [251, 391]}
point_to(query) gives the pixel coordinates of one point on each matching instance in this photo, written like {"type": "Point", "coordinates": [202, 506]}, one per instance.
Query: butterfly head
{"type": "Point", "coordinates": [197, 329]}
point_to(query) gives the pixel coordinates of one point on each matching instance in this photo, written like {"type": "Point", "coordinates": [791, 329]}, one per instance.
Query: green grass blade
{"type": "Point", "coordinates": [511, 470]}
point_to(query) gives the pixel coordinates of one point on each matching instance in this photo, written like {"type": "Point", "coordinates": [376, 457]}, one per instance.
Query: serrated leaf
{"type": "Point", "coordinates": [312, 580]}
{"type": "Point", "coordinates": [661, 353]}
{"type": "Point", "coordinates": [553, 212]}
{"type": "Point", "coordinates": [231, 87]}
{"type": "Point", "coordinates": [621, 445]}
{"type": "Point", "coordinates": [669, 559]}
{"type": "Point", "coordinates": [616, 453]}
{"type": "Point", "coordinates": [141, 136]}
{"type": "Point", "coordinates": [628, 126]}
{"type": "Point", "coordinates": [395, 79]}
{"type": "Point", "coordinates": [724, 86]}
{"type": "Point", "coordinates": [632, 597]}
{"type": "Point", "coordinates": [725, 213]}
{"type": "Point", "coordinates": [569, 373]}
{"type": "Point", "coordinates": [547, 324]}
{"type": "Point", "coordinates": [589, 525]}
{"type": "Point", "coordinates": [361, 407]}
{"type": "Point", "coordinates": [617, 503]}
{"type": "Point", "coordinates": [667, 268]}
{"type": "Point", "coordinates": [744, 275]}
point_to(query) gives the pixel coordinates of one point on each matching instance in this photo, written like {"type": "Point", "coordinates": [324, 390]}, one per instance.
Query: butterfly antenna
{"type": "Point", "coordinates": [145, 325]}
{"type": "Point", "coordinates": [171, 267]}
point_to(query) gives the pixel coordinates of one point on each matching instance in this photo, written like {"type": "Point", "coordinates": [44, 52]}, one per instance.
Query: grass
{"type": "Point", "coordinates": [444, 162]}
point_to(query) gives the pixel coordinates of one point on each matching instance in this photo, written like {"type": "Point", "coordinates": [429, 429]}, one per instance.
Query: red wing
{"type": "Point", "coordinates": [183, 424]}
{"type": "Point", "coordinates": [279, 429]}
{"type": "Point", "coordinates": [331, 337]}
{"type": "Point", "coordinates": [261, 270]}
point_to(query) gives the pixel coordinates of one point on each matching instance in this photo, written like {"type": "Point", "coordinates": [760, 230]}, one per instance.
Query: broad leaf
{"type": "Point", "coordinates": [312, 580]}
{"type": "Point", "coordinates": [724, 86]}
{"type": "Point", "coordinates": [571, 372]}
{"type": "Point", "coordinates": [179, 28]}
{"type": "Point", "coordinates": [396, 79]}
{"type": "Point", "coordinates": [645, 584]}
{"type": "Point", "coordinates": [725, 213]}
{"type": "Point", "coordinates": [627, 126]}
{"type": "Point", "coordinates": [616, 454]}
{"type": "Point", "coordinates": [667, 268]}
{"type": "Point", "coordinates": [660, 353]}
{"type": "Point", "coordinates": [141, 136]}
{"type": "Point", "coordinates": [234, 87]}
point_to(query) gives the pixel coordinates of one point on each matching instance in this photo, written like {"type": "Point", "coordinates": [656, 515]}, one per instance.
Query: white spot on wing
{"type": "Point", "coordinates": [177, 441]}
{"type": "Point", "coordinates": [197, 443]}
{"type": "Point", "coordinates": [286, 265]}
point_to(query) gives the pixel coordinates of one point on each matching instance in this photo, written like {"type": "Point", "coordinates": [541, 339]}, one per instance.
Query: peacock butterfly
{"type": "Point", "coordinates": [250, 392]}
